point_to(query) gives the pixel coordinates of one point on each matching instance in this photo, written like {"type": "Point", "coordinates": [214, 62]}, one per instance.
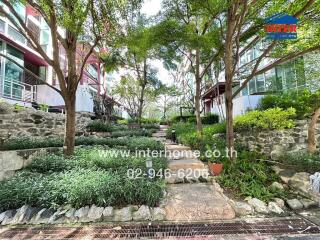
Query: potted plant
{"type": "Point", "coordinates": [215, 168]}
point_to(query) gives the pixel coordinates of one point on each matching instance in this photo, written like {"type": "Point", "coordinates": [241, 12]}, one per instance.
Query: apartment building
{"type": "Point", "coordinates": [18, 86]}
{"type": "Point", "coordinates": [290, 76]}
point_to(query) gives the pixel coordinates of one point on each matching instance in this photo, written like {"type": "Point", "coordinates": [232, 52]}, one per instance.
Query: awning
{"type": "Point", "coordinates": [28, 55]}
{"type": "Point", "coordinates": [216, 90]}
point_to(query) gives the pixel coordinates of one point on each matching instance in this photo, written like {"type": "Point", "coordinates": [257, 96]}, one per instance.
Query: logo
{"type": "Point", "coordinates": [281, 27]}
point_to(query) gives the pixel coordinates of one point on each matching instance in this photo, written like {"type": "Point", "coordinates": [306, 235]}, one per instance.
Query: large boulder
{"type": "Point", "coordinates": [258, 205]}
{"type": "Point", "coordinates": [42, 216]}
{"type": "Point", "coordinates": [8, 216]}
{"type": "Point", "coordinates": [242, 209]}
{"type": "Point", "coordinates": [123, 214]}
{"type": "Point", "coordinates": [108, 214]}
{"type": "Point", "coordinates": [95, 213]}
{"type": "Point", "coordinates": [274, 208]}
{"type": "Point", "coordinates": [24, 215]}
{"type": "Point", "coordinates": [142, 214]}
{"type": "Point", "coordinates": [294, 204]}
{"type": "Point", "coordinates": [82, 214]}
{"type": "Point", "coordinates": [159, 214]}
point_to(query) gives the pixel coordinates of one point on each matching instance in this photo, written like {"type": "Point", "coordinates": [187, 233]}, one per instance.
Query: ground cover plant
{"type": "Point", "coordinates": [301, 161]}
{"type": "Point", "coordinates": [250, 176]}
{"type": "Point", "coordinates": [84, 179]}
{"type": "Point", "coordinates": [39, 142]}
{"type": "Point", "coordinates": [270, 119]}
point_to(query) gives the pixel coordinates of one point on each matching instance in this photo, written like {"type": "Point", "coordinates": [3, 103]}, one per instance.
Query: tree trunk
{"type": "Point", "coordinates": [143, 88]}
{"type": "Point", "coordinates": [312, 147]}
{"type": "Point", "coordinates": [198, 92]}
{"type": "Point", "coordinates": [70, 133]}
{"type": "Point", "coordinates": [229, 66]}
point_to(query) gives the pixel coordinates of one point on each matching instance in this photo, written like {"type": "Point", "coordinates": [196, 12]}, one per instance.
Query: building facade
{"type": "Point", "coordinates": [290, 76]}
{"type": "Point", "coordinates": [21, 87]}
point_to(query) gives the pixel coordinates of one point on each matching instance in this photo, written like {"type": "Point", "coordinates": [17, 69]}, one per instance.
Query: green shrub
{"type": "Point", "coordinates": [273, 118]}
{"type": "Point", "coordinates": [122, 121]}
{"type": "Point", "coordinates": [210, 119]}
{"type": "Point", "coordinates": [177, 119]}
{"type": "Point", "coordinates": [94, 158]}
{"type": "Point", "coordinates": [77, 187]}
{"type": "Point", "coordinates": [250, 177]}
{"type": "Point", "coordinates": [99, 126]}
{"type": "Point", "coordinates": [303, 101]}
{"type": "Point", "coordinates": [31, 142]}
{"type": "Point", "coordinates": [301, 161]}
{"type": "Point", "coordinates": [26, 143]}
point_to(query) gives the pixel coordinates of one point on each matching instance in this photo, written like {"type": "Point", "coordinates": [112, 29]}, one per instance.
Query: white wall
{"type": "Point", "coordinates": [240, 105]}
{"type": "Point", "coordinates": [84, 102]}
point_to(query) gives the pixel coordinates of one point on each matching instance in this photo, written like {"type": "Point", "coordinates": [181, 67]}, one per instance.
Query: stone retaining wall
{"type": "Point", "coordinates": [11, 161]}
{"type": "Point", "coordinates": [273, 143]}
{"type": "Point", "coordinates": [36, 123]}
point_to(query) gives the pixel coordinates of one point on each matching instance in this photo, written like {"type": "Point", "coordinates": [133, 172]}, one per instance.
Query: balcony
{"type": "Point", "coordinates": [19, 91]}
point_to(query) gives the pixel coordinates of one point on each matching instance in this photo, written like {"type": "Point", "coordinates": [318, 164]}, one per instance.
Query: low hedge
{"type": "Point", "coordinates": [250, 176]}
{"type": "Point", "coordinates": [78, 188]}
{"type": "Point", "coordinates": [301, 161]}
{"type": "Point", "coordinates": [270, 119]}
{"type": "Point", "coordinates": [39, 142]}
{"type": "Point", "coordinates": [94, 158]}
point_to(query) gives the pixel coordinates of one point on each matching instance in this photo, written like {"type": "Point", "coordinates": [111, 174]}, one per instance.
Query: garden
{"type": "Point", "coordinates": [90, 176]}
{"type": "Point", "coordinates": [252, 173]}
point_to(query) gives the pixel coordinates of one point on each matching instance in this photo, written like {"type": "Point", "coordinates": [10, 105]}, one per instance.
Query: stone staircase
{"type": "Point", "coordinates": [183, 163]}
{"type": "Point", "coordinates": [191, 194]}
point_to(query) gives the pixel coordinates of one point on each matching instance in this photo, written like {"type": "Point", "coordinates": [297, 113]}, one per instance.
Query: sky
{"type": "Point", "coordinates": [151, 8]}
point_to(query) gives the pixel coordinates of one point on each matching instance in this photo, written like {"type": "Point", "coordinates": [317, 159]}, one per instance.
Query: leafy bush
{"type": "Point", "coordinates": [123, 122]}
{"type": "Point", "coordinates": [30, 142]}
{"type": "Point", "coordinates": [301, 161]}
{"type": "Point", "coordinates": [210, 119]}
{"type": "Point", "coordinates": [303, 101]}
{"type": "Point", "coordinates": [273, 118]}
{"type": "Point", "coordinates": [26, 143]}
{"type": "Point", "coordinates": [249, 177]}
{"type": "Point", "coordinates": [93, 158]}
{"type": "Point", "coordinates": [177, 119]}
{"type": "Point", "coordinates": [99, 126]}
{"type": "Point", "coordinates": [77, 187]}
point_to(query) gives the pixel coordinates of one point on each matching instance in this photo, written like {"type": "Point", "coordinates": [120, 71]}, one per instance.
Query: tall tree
{"type": "Point", "coordinates": [68, 21]}
{"type": "Point", "coordinates": [243, 29]}
{"type": "Point", "coordinates": [132, 52]}
{"type": "Point", "coordinates": [189, 31]}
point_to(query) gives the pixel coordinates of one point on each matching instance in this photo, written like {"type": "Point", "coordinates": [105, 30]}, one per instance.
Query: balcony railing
{"type": "Point", "coordinates": [19, 91]}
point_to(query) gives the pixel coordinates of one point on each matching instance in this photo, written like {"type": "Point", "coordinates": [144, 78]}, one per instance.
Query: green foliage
{"type": "Point", "coordinates": [210, 119]}
{"type": "Point", "coordinates": [273, 118]}
{"type": "Point", "coordinates": [304, 102]}
{"type": "Point", "coordinates": [250, 177]}
{"type": "Point", "coordinates": [29, 143]}
{"type": "Point", "coordinates": [44, 107]}
{"type": "Point", "coordinates": [99, 126]}
{"type": "Point", "coordinates": [91, 176]}
{"type": "Point", "coordinates": [187, 134]}
{"type": "Point", "coordinates": [77, 187]}
{"type": "Point", "coordinates": [301, 161]}
{"type": "Point", "coordinates": [123, 122]}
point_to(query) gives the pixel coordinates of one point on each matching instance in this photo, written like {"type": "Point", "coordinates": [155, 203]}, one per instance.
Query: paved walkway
{"type": "Point", "coordinates": [190, 197]}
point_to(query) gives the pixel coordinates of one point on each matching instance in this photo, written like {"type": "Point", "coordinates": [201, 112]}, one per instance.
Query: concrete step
{"type": "Point", "coordinates": [159, 134]}
{"type": "Point", "coordinates": [175, 165]}
{"type": "Point", "coordinates": [187, 176]}
{"type": "Point", "coordinates": [196, 202]}
{"type": "Point", "coordinates": [175, 147]}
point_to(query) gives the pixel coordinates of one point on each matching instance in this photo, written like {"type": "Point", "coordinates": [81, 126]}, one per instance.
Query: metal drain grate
{"type": "Point", "coordinates": [266, 227]}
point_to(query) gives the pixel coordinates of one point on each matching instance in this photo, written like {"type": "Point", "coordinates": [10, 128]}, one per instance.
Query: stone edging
{"type": "Point", "coordinates": [31, 215]}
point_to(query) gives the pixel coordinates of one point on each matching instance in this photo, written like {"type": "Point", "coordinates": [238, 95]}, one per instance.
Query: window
{"type": "Point", "coordinates": [260, 83]}
{"type": "Point", "coordinates": [15, 35]}
{"type": "Point", "coordinates": [252, 86]}
{"type": "Point", "coordinates": [13, 74]}
{"type": "Point", "coordinates": [2, 26]}
{"type": "Point", "coordinates": [271, 81]}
